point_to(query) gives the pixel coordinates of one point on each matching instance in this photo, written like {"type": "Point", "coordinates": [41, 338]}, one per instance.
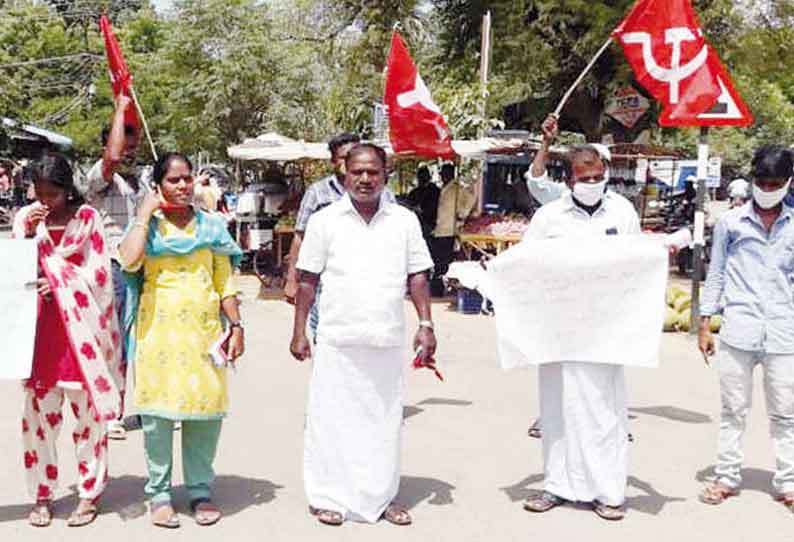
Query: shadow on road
{"type": "Point", "coordinates": [651, 503]}
{"type": "Point", "coordinates": [124, 496]}
{"type": "Point", "coordinates": [410, 411]}
{"type": "Point", "coordinates": [752, 479]}
{"type": "Point", "coordinates": [415, 490]}
{"type": "Point", "coordinates": [674, 413]}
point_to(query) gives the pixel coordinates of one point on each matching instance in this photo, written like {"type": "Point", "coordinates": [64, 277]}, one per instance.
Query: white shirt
{"type": "Point", "coordinates": [543, 189]}
{"type": "Point", "coordinates": [364, 270]}
{"type": "Point", "coordinates": [563, 217]}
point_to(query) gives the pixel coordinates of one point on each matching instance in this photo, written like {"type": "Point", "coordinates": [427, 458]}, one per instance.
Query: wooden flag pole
{"type": "Point", "coordinates": [581, 77]}
{"type": "Point", "coordinates": [699, 245]}
{"type": "Point", "coordinates": [143, 121]}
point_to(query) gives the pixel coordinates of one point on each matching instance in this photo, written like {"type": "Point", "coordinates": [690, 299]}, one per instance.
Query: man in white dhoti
{"type": "Point", "coordinates": [583, 405]}
{"type": "Point", "coordinates": [364, 250]}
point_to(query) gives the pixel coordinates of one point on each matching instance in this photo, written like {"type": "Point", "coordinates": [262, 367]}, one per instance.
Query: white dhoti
{"type": "Point", "coordinates": [351, 462]}
{"type": "Point", "coordinates": [585, 431]}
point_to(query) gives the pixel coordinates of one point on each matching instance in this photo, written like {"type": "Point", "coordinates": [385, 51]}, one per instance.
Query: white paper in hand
{"type": "Point", "coordinates": [219, 351]}
{"type": "Point", "coordinates": [19, 298]}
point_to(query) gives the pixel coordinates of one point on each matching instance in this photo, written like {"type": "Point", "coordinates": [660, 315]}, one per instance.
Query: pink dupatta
{"type": "Point", "coordinates": [83, 292]}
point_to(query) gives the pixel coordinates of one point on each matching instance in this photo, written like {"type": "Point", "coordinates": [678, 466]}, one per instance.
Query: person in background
{"type": "Point", "coordinates": [77, 353]}
{"type": "Point", "coordinates": [738, 192]}
{"type": "Point", "coordinates": [583, 405]}
{"type": "Point", "coordinates": [181, 260]}
{"type": "Point", "coordinates": [752, 261]}
{"type": "Point", "coordinates": [424, 198]}
{"type": "Point", "coordinates": [367, 251]}
{"type": "Point", "coordinates": [456, 203]}
{"type": "Point", "coordinates": [319, 195]}
{"type": "Point", "coordinates": [6, 176]}
{"type": "Point", "coordinates": [116, 187]}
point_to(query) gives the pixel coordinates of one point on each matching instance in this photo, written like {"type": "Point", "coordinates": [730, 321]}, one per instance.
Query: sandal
{"type": "Point", "coordinates": [41, 514]}
{"type": "Point", "coordinates": [85, 514]}
{"type": "Point", "coordinates": [327, 517]}
{"type": "Point", "coordinates": [205, 512]}
{"type": "Point", "coordinates": [163, 515]}
{"type": "Point", "coordinates": [543, 502]}
{"type": "Point", "coordinates": [609, 513]}
{"type": "Point", "coordinates": [716, 493]}
{"type": "Point", "coordinates": [535, 431]}
{"type": "Point", "coordinates": [397, 515]}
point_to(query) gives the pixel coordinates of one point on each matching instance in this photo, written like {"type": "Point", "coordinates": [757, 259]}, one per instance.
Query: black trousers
{"type": "Point", "coordinates": [442, 249]}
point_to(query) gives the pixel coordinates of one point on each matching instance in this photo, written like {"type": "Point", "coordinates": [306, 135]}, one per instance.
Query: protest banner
{"type": "Point", "coordinates": [586, 299]}
{"type": "Point", "coordinates": [18, 296]}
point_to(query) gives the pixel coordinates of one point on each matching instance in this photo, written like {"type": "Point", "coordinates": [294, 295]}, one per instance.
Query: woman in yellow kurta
{"type": "Point", "coordinates": [182, 262]}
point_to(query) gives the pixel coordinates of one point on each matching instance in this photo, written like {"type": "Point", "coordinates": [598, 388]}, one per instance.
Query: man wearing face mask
{"type": "Point", "coordinates": [540, 185]}
{"type": "Point", "coordinates": [583, 405]}
{"type": "Point", "coordinates": [752, 264]}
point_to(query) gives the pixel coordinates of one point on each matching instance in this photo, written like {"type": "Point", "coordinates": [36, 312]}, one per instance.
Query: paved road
{"type": "Point", "coordinates": [467, 460]}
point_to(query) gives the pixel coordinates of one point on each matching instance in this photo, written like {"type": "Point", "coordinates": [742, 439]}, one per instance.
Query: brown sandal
{"type": "Point", "coordinates": [205, 512]}
{"type": "Point", "coordinates": [41, 514]}
{"type": "Point", "coordinates": [163, 515]}
{"type": "Point", "coordinates": [609, 513]}
{"type": "Point", "coordinates": [543, 502]}
{"type": "Point", "coordinates": [716, 493]}
{"type": "Point", "coordinates": [397, 515]}
{"type": "Point", "coordinates": [85, 514]}
{"type": "Point", "coordinates": [327, 517]}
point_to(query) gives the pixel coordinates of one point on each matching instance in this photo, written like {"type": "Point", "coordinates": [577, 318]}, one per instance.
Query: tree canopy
{"type": "Point", "coordinates": [212, 72]}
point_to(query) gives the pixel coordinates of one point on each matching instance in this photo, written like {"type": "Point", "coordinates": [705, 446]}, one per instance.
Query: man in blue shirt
{"type": "Point", "coordinates": [752, 272]}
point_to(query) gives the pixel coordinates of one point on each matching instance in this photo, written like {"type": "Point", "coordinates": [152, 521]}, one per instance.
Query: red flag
{"type": "Point", "coordinates": [415, 121]}
{"type": "Point", "coordinates": [664, 44]}
{"type": "Point", "coordinates": [120, 75]}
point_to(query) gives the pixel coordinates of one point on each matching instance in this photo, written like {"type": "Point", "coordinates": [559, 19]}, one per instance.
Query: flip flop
{"type": "Point", "coordinates": [86, 516]}
{"type": "Point", "coordinates": [205, 512]}
{"type": "Point", "coordinates": [716, 493]}
{"type": "Point", "coordinates": [609, 513]}
{"type": "Point", "coordinates": [41, 514]}
{"type": "Point", "coordinates": [543, 502]}
{"type": "Point", "coordinates": [163, 515]}
{"type": "Point", "coordinates": [327, 517]}
{"type": "Point", "coordinates": [397, 515]}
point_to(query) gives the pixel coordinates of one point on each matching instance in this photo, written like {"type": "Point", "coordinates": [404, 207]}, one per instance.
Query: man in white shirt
{"type": "Point", "coordinates": [364, 250]}
{"type": "Point", "coordinates": [583, 405]}
{"type": "Point", "coordinates": [115, 189]}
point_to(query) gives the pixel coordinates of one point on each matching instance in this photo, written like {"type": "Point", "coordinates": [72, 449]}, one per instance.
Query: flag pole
{"type": "Point", "coordinates": [700, 226]}
{"type": "Point", "coordinates": [143, 121]}
{"type": "Point", "coordinates": [581, 77]}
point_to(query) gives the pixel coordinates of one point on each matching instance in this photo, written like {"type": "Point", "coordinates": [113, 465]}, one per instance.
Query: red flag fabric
{"type": "Point", "coordinates": [416, 124]}
{"type": "Point", "coordinates": [120, 75]}
{"type": "Point", "coordinates": [663, 41]}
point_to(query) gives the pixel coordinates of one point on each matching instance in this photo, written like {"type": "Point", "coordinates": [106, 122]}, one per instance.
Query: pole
{"type": "Point", "coordinates": [700, 226]}
{"type": "Point", "coordinates": [485, 67]}
{"type": "Point", "coordinates": [581, 77]}
{"type": "Point", "coordinates": [143, 121]}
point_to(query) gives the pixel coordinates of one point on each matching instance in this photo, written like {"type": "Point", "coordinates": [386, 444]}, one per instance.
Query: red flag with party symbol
{"type": "Point", "coordinates": [120, 75]}
{"type": "Point", "coordinates": [663, 41]}
{"type": "Point", "coordinates": [416, 124]}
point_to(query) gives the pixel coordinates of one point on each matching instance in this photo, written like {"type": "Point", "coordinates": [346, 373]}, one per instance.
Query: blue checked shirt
{"type": "Point", "coordinates": [752, 272]}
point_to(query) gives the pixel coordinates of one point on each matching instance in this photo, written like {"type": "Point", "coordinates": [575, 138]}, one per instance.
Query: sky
{"type": "Point", "coordinates": [161, 5]}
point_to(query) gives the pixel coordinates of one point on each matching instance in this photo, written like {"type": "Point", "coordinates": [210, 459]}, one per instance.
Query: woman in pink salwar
{"type": "Point", "coordinates": [77, 350]}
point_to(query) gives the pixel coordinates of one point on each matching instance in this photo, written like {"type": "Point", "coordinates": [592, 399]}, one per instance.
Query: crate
{"type": "Point", "coordinates": [469, 301]}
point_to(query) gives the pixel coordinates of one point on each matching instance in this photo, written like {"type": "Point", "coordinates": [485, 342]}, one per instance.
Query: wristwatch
{"type": "Point", "coordinates": [238, 323]}
{"type": "Point", "coordinates": [426, 323]}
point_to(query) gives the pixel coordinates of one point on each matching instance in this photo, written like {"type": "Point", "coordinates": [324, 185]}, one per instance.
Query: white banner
{"type": "Point", "coordinates": [586, 299]}
{"type": "Point", "coordinates": [19, 300]}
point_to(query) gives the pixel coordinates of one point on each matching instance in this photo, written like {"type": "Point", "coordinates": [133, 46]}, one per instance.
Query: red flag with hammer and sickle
{"type": "Point", "coordinates": [663, 41]}
{"type": "Point", "coordinates": [120, 75]}
{"type": "Point", "coordinates": [416, 124]}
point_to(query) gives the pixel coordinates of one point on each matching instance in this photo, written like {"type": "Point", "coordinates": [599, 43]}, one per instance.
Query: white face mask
{"type": "Point", "coordinates": [767, 200]}
{"type": "Point", "coordinates": [589, 194]}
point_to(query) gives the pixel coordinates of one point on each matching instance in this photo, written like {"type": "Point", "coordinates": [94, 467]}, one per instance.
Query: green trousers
{"type": "Point", "coordinates": [199, 443]}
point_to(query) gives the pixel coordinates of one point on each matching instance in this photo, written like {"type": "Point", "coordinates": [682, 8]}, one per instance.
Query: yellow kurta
{"type": "Point", "coordinates": [178, 320]}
